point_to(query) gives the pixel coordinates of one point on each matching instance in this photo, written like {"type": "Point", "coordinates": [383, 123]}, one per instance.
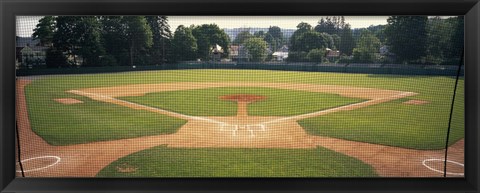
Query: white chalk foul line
{"type": "Point", "coordinates": [336, 109]}
{"type": "Point", "coordinates": [424, 163]}
{"type": "Point", "coordinates": [57, 160]}
{"type": "Point", "coordinates": [93, 96]}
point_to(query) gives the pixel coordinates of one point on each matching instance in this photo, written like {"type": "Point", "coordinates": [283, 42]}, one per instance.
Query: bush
{"type": "Point", "coordinates": [108, 60]}
{"type": "Point", "coordinates": [297, 57]}
{"type": "Point", "coordinates": [316, 55]}
{"type": "Point", "coordinates": [55, 59]}
{"type": "Point", "coordinates": [344, 59]}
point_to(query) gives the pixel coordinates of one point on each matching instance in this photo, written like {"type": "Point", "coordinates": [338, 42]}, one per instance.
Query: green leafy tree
{"type": "Point", "coordinates": [209, 35]}
{"type": "Point", "coordinates": [242, 37]}
{"type": "Point", "coordinates": [330, 25]}
{"type": "Point", "coordinates": [302, 28]}
{"type": "Point", "coordinates": [316, 55]}
{"type": "Point", "coordinates": [313, 40]}
{"type": "Point", "coordinates": [325, 26]}
{"type": "Point", "coordinates": [160, 50]}
{"type": "Point", "coordinates": [79, 36]}
{"type": "Point", "coordinates": [257, 49]}
{"type": "Point", "coordinates": [336, 41]}
{"type": "Point", "coordinates": [184, 44]}
{"type": "Point", "coordinates": [347, 43]}
{"type": "Point", "coordinates": [44, 30]}
{"type": "Point", "coordinates": [457, 37]}
{"type": "Point", "coordinates": [329, 40]}
{"type": "Point", "coordinates": [438, 38]}
{"type": "Point", "coordinates": [139, 35]}
{"type": "Point", "coordinates": [367, 47]}
{"type": "Point", "coordinates": [378, 31]}
{"type": "Point", "coordinates": [305, 39]}
{"type": "Point", "coordinates": [259, 34]}
{"type": "Point", "coordinates": [274, 37]}
{"type": "Point", "coordinates": [407, 37]}
{"type": "Point", "coordinates": [66, 38]}
{"type": "Point", "coordinates": [115, 39]}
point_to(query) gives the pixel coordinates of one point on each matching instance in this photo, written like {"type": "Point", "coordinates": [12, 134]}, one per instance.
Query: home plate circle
{"type": "Point", "coordinates": [435, 164]}
{"type": "Point", "coordinates": [38, 163]}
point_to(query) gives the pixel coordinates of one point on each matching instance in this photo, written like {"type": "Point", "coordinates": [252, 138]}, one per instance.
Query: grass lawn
{"type": "Point", "coordinates": [222, 162]}
{"type": "Point", "coordinates": [391, 123]}
{"type": "Point", "coordinates": [206, 102]}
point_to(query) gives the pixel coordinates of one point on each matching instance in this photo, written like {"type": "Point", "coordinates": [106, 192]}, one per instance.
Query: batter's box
{"type": "Point", "coordinates": [237, 129]}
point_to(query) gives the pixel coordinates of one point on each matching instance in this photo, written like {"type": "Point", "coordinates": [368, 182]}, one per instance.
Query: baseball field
{"type": "Point", "coordinates": [239, 123]}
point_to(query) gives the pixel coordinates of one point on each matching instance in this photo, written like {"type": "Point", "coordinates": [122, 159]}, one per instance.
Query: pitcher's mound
{"type": "Point", "coordinates": [243, 97]}
{"type": "Point", "coordinates": [68, 101]}
{"type": "Point", "coordinates": [416, 102]}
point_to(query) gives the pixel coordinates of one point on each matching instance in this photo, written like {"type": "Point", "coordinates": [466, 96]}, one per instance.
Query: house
{"type": "Point", "coordinates": [238, 53]}
{"type": "Point", "coordinates": [216, 52]}
{"type": "Point", "coordinates": [32, 56]}
{"type": "Point", "coordinates": [284, 48]}
{"type": "Point", "coordinates": [280, 56]}
{"type": "Point", "coordinates": [28, 52]}
{"type": "Point", "coordinates": [331, 55]}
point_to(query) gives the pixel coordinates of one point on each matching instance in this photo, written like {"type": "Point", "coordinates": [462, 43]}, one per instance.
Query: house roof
{"type": "Point", "coordinates": [24, 41]}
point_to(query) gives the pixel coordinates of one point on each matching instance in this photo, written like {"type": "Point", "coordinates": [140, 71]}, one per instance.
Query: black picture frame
{"type": "Point", "coordinates": [10, 8]}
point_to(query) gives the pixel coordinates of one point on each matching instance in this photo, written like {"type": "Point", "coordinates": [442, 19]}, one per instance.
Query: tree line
{"type": "Point", "coordinates": [404, 39]}
{"type": "Point", "coordinates": [148, 40]}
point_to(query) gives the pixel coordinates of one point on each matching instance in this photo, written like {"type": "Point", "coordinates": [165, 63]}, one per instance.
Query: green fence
{"type": "Point", "coordinates": [311, 67]}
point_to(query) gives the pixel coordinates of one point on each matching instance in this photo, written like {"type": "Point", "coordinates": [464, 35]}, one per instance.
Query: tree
{"type": "Point", "coordinates": [316, 55]}
{"type": "Point", "coordinates": [161, 38]}
{"type": "Point", "coordinates": [330, 25]}
{"type": "Point", "coordinates": [407, 37]}
{"type": "Point", "coordinates": [65, 40]}
{"type": "Point", "coordinates": [55, 58]}
{"type": "Point", "coordinates": [259, 34]}
{"type": "Point", "coordinates": [184, 44]}
{"type": "Point", "coordinates": [44, 30]}
{"type": "Point", "coordinates": [378, 31]}
{"type": "Point", "coordinates": [139, 36]}
{"type": "Point", "coordinates": [367, 47]}
{"type": "Point", "coordinates": [79, 36]}
{"type": "Point", "coordinates": [274, 37]}
{"type": "Point", "coordinates": [329, 40]}
{"type": "Point", "coordinates": [437, 39]}
{"type": "Point", "coordinates": [457, 38]}
{"type": "Point", "coordinates": [336, 41]}
{"type": "Point", "coordinates": [115, 39]}
{"type": "Point", "coordinates": [257, 49]}
{"type": "Point", "coordinates": [325, 26]}
{"type": "Point", "coordinates": [208, 36]}
{"type": "Point", "coordinates": [241, 37]}
{"type": "Point", "coordinates": [313, 40]}
{"type": "Point", "coordinates": [305, 39]}
{"type": "Point", "coordinates": [347, 43]}
{"type": "Point", "coordinates": [302, 28]}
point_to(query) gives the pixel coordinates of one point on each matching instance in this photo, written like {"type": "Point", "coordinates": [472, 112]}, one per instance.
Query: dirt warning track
{"type": "Point", "coordinates": [242, 131]}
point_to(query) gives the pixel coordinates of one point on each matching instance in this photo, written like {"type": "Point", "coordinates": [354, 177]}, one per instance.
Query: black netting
{"type": "Point", "coordinates": [240, 96]}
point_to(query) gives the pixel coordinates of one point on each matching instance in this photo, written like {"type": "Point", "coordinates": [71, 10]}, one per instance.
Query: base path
{"type": "Point", "coordinates": [241, 131]}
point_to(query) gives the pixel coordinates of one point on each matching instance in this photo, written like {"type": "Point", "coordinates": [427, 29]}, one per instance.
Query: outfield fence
{"type": "Point", "coordinates": [397, 69]}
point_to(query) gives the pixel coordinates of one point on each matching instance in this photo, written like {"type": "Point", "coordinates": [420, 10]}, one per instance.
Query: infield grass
{"type": "Point", "coordinates": [206, 102]}
{"type": "Point", "coordinates": [236, 162]}
{"type": "Point", "coordinates": [392, 123]}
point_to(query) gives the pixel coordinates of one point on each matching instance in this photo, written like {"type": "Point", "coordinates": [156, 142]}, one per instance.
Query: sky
{"type": "Point", "coordinates": [26, 24]}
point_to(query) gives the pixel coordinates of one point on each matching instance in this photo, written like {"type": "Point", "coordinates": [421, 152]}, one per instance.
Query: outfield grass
{"type": "Point", "coordinates": [391, 123]}
{"type": "Point", "coordinates": [206, 102]}
{"type": "Point", "coordinates": [235, 162]}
